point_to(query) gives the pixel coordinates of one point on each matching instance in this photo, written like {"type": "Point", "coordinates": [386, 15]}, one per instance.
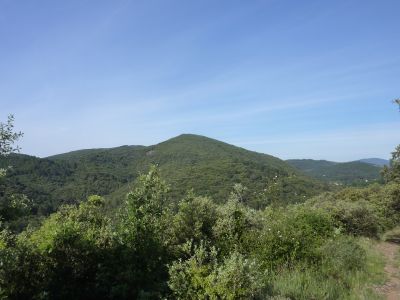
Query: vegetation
{"type": "Point", "coordinates": [12, 205]}
{"type": "Point", "coordinates": [270, 240]}
{"type": "Point", "coordinates": [199, 249]}
{"type": "Point", "coordinates": [363, 211]}
{"type": "Point", "coordinates": [207, 166]}
{"type": "Point", "coordinates": [392, 173]}
{"type": "Point", "coordinates": [379, 162]}
{"type": "Point", "coordinates": [355, 173]}
{"type": "Point", "coordinates": [8, 137]}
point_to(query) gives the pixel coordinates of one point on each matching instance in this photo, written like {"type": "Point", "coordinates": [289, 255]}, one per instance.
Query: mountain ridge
{"type": "Point", "coordinates": [380, 162]}
{"type": "Point", "coordinates": [346, 173]}
{"type": "Point", "coordinates": [208, 166]}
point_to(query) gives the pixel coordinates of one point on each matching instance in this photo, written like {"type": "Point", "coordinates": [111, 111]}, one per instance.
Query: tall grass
{"type": "Point", "coordinates": [327, 282]}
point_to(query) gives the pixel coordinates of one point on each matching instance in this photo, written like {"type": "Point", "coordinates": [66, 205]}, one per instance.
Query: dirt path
{"type": "Point", "coordinates": [391, 289]}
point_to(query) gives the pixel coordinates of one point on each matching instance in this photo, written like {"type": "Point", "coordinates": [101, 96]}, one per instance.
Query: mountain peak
{"type": "Point", "coordinates": [188, 161]}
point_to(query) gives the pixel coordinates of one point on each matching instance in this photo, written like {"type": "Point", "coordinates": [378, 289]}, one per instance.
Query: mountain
{"type": "Point", "coordinates": [379, 162]}
{"type": "Point", "coordinates": [309, 165]}
{"type": "Point", "coordinates": [348, 173]}
{"type": "Point", "coordinates": [207, 166]}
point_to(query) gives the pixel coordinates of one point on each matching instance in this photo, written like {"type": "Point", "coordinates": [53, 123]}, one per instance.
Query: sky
{"type": "Point", "coordinates": [294, 79]}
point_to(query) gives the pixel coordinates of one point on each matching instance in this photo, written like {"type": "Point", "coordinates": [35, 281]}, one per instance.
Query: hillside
{"type": "Point", "coordinates": [379, 162]}
{"type": "Point", "coordinates": [207, 166]}
{"type": "Point", "coordinates": [349, 173]}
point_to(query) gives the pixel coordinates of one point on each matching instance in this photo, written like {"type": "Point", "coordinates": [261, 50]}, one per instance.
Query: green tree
{"type": "Point", "coordinates": [141, 232]}
{"type": "Point", "coordinates": [8, 137]}
{"type": "Point", "coordinates": [236, 225]}
{"type": "Point", "coordinates": [194, 220]}
{"type": "Point", "coordinates": [392, 173]}
{"type": "Point", "coordinates": [11, 206]}
{"type": "Point", "coordinates": [65, 258]}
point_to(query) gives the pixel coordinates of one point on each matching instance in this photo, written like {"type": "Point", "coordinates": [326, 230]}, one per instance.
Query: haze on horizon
{"type": "Point", "coordinates": [305, 79]}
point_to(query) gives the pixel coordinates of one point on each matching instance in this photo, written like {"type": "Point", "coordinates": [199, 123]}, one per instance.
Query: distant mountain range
{"type": "Point", "coordinates": [376, 161]}
{"type": "Point", "coordinates": [207, 166]}
{"type": "Point", "coordinates": [360, 172]}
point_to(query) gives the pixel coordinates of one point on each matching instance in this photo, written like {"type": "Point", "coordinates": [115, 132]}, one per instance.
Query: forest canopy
{"type": "Point", "coordinates": [159, 244]}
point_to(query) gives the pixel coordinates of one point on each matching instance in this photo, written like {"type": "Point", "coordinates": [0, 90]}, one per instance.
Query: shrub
{"type": "Point", "coordinates": [342, 255]}
{"type": "Point", "coordinates": [236, 227]}
{"type": "Point", "coordinates": [21, 272]}
{"type": "Point", "coordinates": [72, 245]}
{"type": "Point", "coordinates": [292, 236]}
{"type": "Point", "coordinates": [366, 212]}
{"type": "Point", "coordinates": [194, 220]}
{"type": "Point", "coordinates": [202, 276]}
{"type": "Point", "coordinates": [237, 278]}
{"type": "Point", "coordinates": [189, 279]}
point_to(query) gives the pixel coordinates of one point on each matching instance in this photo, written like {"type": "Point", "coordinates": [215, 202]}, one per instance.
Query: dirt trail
{"type": "Point", "coordinates": [391, 289]}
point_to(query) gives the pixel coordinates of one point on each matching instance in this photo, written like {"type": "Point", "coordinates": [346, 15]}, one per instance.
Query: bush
{"type": "Point", "coordinates": [292, 235]}
{"type": "Point", "coordinates": [20, 273]}
{"type": "Point", "coordinates": [202, 276]}
{"type": "Point", "coordinates": [227, 251]}
{"type": "Point", "coordinates": [71, 245]}
{"type": "Point", "coordinates": [365, 212]}
{"type": "Point", "coordinates": [341, 256]}
{"type": "Point", "coordinates": [237, 227]}
{"type": "Point", "coordinates": [189, 279]}
{"type": "Point", "coordinates": [194, 220]}
{"type": "Point", "coordinates": [357, 218]}
{"type": "Point", "coordinates": [237, 278]}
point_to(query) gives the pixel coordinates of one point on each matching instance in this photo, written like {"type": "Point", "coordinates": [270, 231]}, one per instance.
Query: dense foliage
{"type": "Point", "coordinates": [354, 173]}
{"type": "Point", "coordinates": [392, 173]}
{"type": "Point", "coordinates": [363, 211]}
{"type": "Point", "coordinates": [267, 243]}
{"type": "Point", "coordinates": [207, 166]}
{"type": "Point", "coordinates": [13, 206]}
{"type": "Point", "coordinates": [197, 249]}
{"type": "Point", "coordinates": [8, 137]}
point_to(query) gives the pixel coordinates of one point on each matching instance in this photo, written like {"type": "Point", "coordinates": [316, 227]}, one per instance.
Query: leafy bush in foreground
{"type": "Point", "coordinates": [367, 212]}
{"type": "Point", "coordinates": [203, 276]}
{"type": "Point", "coordinates": [292, 235]}
{"type": "Point", "coordinates": [200, 250]}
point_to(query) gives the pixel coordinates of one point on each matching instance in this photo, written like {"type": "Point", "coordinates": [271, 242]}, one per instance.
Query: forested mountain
{"type": "Point", "coordinates": [165, 242]}
{"type": "Point", "coordinates": [349, 173]}
{"type": "Point", "coordinates": [207, 166]}
{"type": "Point", "coordinates": [379, 162]}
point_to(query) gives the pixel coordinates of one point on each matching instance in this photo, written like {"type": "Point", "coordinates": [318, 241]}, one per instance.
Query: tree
{"type": "Point", "coordinates": [8, 137]}
{"type": "Point", "coordinates": [65, 258]}
{"type": "Point", "coordinates": [392, 173]}
{"type": "Point", "coordinates": [194, 220]}
{"type": "Point", "coordinates": [11, 206]}
{"type": "Point", "coordinates": [140, 232]}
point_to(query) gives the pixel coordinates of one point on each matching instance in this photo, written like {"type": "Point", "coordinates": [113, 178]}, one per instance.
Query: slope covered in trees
{"type": "Point", "coordinates": [162, 245]}
{"type": "Point", "coordinates": [207, 166]}
{"type": "Point", "coordinates": [200, 249]}
{"type": "Point", "coordinates": [349, 173]}
{"type": "Point", "coordinates": [379, 162]}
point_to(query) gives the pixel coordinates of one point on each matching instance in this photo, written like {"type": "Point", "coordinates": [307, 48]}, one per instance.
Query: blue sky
{"type": "Point", "coordinates": [295, 79]}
